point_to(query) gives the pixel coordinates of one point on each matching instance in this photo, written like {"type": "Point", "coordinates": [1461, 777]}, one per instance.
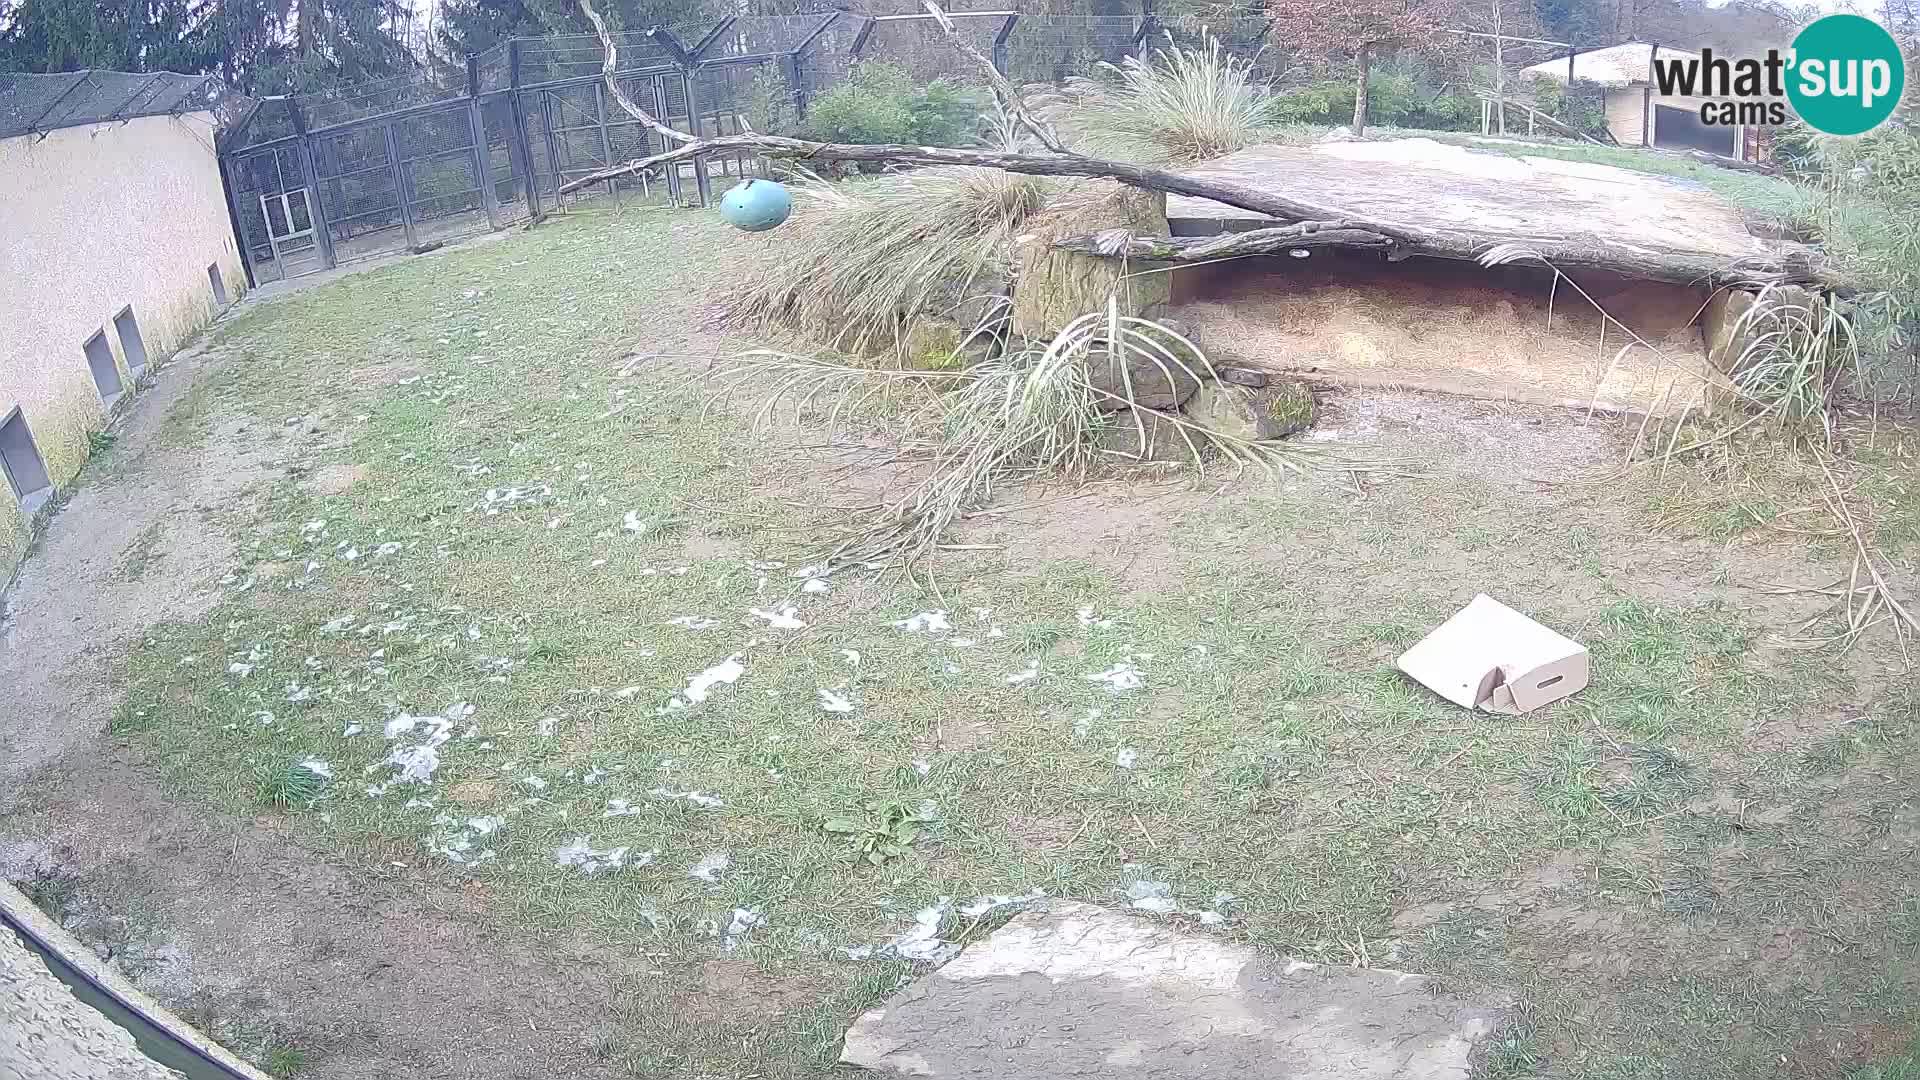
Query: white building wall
{"type": "Point", "coordinates": [94, 219]}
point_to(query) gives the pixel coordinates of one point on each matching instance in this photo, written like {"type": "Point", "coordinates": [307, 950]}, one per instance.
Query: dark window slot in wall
{"type": "Point", "coordinates": [106, 374]}
{"type": "Point", "coordinates": [20, 460]}
{"type": "Point", "coordinates": [131, 347]}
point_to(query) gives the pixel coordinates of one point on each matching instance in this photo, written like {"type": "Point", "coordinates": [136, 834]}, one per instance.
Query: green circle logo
{"type": "Point", "coordinates": [1846, 75]}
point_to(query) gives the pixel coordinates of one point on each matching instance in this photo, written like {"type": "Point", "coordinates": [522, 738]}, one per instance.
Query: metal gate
{"type": "Point", "coordinates": [272, 199]}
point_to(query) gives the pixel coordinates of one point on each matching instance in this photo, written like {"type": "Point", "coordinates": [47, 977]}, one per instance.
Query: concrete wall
{"type": "Point", "coordinates": [1630, 109]}
{"type": "Point", "coordinates": [94, 219]}
{"type": "Point", "coordinates": [1626, 117]}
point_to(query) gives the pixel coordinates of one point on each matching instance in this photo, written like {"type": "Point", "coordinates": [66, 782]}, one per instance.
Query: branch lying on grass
{"type": "Point", "coordinates": [1866, 600]}
{"type": "Point", "coordinates": [1032, 413]}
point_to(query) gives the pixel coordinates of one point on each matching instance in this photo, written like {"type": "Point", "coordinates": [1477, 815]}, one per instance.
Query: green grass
{"type": "Point", "coordinates": [1904, 1067]}
{"type": "Point", "coordinates": [1275, 754]}
{"type": "Point", "coordinates": [283, 1061]}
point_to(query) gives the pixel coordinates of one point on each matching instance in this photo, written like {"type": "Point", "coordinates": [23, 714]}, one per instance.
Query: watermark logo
{"type": "Point", "coordinates": [1843, 76]}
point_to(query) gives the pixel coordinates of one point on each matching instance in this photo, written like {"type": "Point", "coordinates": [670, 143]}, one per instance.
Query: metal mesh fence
{"type": "Point", "coordinates": [42, 103]}
{"type": "Point", "coordinates": [399, 163]}
{"type": "Point", "coordinates": [1051, 49]}
{"type": "Point", "coordinates": [332, 108]}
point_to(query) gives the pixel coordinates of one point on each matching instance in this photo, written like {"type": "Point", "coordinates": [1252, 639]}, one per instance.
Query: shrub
{"type": "Point", "coordinates": [1868, 218]}
{"type": "Point", "coordinates": [1582, 107]}
{"type": "Point", "coordinates": [770, 108]}
{"type": "Point", "coordinates": [1179, 107]}
{"type": "Point", "coordinates": [866, 261]}
{"type": "Point", "coordinates": [878, 103]}
{"type": "Point", "coordinates": [1396, 97]}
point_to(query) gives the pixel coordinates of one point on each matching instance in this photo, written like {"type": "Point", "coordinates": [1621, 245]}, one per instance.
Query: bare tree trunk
{"type": "Point", "coordinates": [1360, 59]}
{"type": "Point", "coordinates": [307, 26]}
{"type": "Point", "coordinates": [1500, 71]}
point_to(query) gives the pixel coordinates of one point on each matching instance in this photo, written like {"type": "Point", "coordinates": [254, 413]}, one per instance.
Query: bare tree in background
{"type": "Point", "coordinates": [1362, 29]}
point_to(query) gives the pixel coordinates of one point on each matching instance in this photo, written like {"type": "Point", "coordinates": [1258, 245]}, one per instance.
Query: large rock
{"type": "Point", "coordinates": [1077, 990]}
{"type": "Point", "coordinates": [1283, 407]}
{"type": "Point", "coordinates": [1728, 337]}
{"type": "Point", "coordinates": [1146, 435]}
{"type": "Point", "coordinates": [1143, 377]}
{"type": "Point", "coordinates": [1055, 287]}
{"type": "Point", "coordinates": [1718, 322]}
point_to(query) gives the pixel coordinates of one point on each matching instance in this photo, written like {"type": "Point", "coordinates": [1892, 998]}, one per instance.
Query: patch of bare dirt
{"type": "Point", "coordinates": [225, 919]}
{"type": "Point", "coordinates": [335, 479]}
{"type": "Point", "coordinates": [235, 926]}
{"type": "Point", "coordinates": [73, 599]}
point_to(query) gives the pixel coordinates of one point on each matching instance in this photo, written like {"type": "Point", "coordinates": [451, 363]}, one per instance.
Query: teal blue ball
{"type": "Point", "coordinates": [756, 205]}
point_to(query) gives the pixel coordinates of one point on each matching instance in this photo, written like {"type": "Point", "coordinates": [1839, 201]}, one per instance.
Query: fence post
{"type": "Point", "coordinates": [798, 70]}
{"type": "Point", "coordinates": [400, 187]}
{"type": "Point", "coordinates": [518, 143]}
{"type": "Point", "coordinates": [606, 144]}
{"type": "Point", "coordinates": [860, 37]}
{"type": "Point", "coordinates": [671, 174]}
{"type": "Point", "coordinates": [482, 160]}
{"type": "Point", "coordinates": [1149, 26]}
{"type": "Point", "coordinates": [702, 186]}
{"type": "Point", "coordinates": [1000, 43]}
{"type": "Point", "coordinates": [233, 217]}
{"type": "Point", "coordinates": [310, 177]}
{"type": "Point", "coordinates": [553, 146]}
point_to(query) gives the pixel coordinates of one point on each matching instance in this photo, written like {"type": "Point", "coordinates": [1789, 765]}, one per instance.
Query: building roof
{"type": "Point", "coordinates": [1625, 64]}
{"type": "Point", "coordinates": [42, 103]}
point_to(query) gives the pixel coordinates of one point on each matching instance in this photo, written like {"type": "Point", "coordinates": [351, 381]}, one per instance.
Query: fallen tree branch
{"type": "Point", "coordinates": [1072, 165]}
{"type": "Point", "coordinates": [1312, 225]}
{"type": "Point", "coordinates": [1566, 252]}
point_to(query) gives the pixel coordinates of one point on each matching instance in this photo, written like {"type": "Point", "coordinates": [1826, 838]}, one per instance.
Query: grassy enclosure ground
{"type": "Point", "coordinates": [508, 518]}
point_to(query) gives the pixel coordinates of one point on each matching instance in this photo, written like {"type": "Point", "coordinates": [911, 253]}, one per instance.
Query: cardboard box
{"type": "Point", "coordinates": [1491, 657]}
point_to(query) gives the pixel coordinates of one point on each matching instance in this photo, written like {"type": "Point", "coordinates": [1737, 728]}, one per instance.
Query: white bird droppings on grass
{"type": "Point", "coordinates": [834, 703]}
{"type": "Point", "coordinates": [743, 921]}
{"type": "Point", "coordinates": [1127, 758]}
{"type": "Point", "coordinates": [546, 726]}
{"type": "Point", "coordinates": [697, 798]}
{"type": "Point", "coordinates": [927, 622]}
{"type": "Point", "coordinates": [783, 619]}
{"type": "Point", "coordinates": [851, 656]}
{"type": "Point", "coordinates": [711, 867]}
{"type": "Point", "coordinates": [923, 943]}
{"type": "Point", "coordinates": [692, 622]}
{"type": "Point", "coordinates": [1119, 678]}
{"type": "Point", "coordinates": [981, 905]}
{"type": "Point", "coordinates": [1031, 673]}
{"type": "Point", "coordinates": [1087, 619]}
{"type": "Point", "coordinates": [582, 854]}
{"type": "Point", "coordinates": [1084, 726]}
{"type": "Point", "coordinates": [318, 768]}
{"type": "Point", "coordinates": [724, 673]}
{"type": "Point", "coordinates": [1151, 896]}
{"type": "Point", "coordinates": [351, 730]}
{"type": "Point", "coordinates": [816, 585]}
